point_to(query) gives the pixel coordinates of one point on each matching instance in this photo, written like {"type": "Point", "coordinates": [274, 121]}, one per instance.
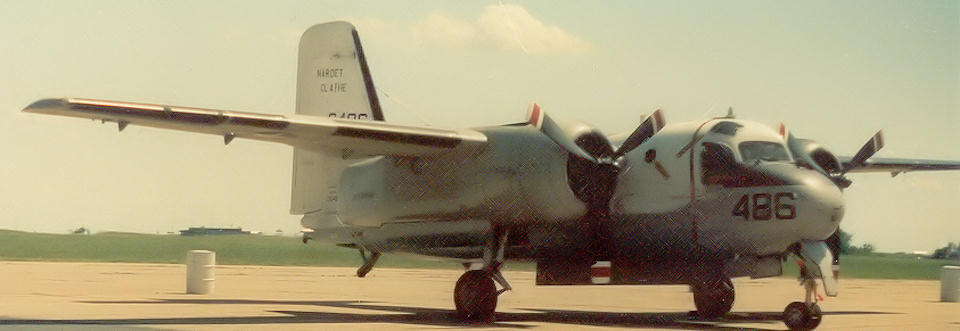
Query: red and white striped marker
{"type": "Point", "coordinates": [535, 116]}
{"type": "Point", "coordinates": [877, 141]}
{"type": "Point", "coordinates": [658, 121]}
{"type": "Point", "coordinates": [784, 133]}
{"type": "Point", "coordinates": [600, 272]}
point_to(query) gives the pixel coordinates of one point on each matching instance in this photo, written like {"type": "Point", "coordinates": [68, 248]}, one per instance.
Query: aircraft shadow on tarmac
{"type": "Point", "coordinates": [427, 316]}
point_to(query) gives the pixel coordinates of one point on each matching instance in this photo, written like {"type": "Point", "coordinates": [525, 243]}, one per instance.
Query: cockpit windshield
{"type": "Point", "coordinates": [763, 151]}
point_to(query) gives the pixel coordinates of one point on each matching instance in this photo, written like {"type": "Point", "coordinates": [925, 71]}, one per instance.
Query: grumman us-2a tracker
{"type": "Point", "coordinates": [692, 203]}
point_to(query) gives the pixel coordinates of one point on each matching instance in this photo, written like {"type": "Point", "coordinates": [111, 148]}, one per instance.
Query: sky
{"type": "Point", "coordinates": [835, 72]}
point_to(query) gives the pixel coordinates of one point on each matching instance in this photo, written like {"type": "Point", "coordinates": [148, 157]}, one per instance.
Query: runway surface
{"type": "Point", "coordinates": [84, 296]}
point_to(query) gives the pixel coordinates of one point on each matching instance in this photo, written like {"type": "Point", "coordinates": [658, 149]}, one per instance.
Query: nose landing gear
{"type": "Point", "coordinates": [804, 315]}
{"type": "Point", "coordinates": [800, 316]}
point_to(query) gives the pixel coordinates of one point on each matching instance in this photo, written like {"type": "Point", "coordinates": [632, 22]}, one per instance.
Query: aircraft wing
{"type": "Point", "coordinates": [349, 138]}
{"type": "Point", "coordinates": [896, 166]}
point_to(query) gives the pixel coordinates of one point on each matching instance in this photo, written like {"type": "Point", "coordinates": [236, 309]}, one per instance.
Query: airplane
{"type": "Point", "coordinates": [695, 203]}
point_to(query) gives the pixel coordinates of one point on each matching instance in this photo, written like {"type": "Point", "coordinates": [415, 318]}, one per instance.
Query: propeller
{"type": "Point", "coordinates": [647, 129]}
{"type": "Point", "coordinates": [834, 244]}
{"type": "Point", "coordinates": [836, 172]}
{"type": "Point", "coordinates": [593, 168]}
{"type": "Point", "coordinates": [539, 119]}
{"type": "Point", "coordinates": [871, 147]}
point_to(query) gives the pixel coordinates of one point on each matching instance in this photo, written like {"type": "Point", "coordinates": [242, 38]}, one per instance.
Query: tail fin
{"type": "Point", "coordinates": [333, 80]}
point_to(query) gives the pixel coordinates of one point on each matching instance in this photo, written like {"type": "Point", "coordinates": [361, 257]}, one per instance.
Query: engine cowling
{"type": "Point", "coordinates": [811, 154]}
{"type": "Point", "coordinates": [817, 157]}
{"type": "Point", "coordinates": [591, 182]}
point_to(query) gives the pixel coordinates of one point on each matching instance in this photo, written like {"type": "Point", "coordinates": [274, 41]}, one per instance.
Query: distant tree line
{"type": "Point", "coordinates": [949, 252]}
{"type": "Point", "coordinates": [847, 248]}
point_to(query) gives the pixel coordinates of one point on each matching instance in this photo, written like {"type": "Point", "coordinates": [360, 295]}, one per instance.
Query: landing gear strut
{"type": "Point", "coordinates": [804, 315]}
{"type": "Point", "coordinates": [475, 294]}
{"type": "Point", "coordinates": [713, 297]}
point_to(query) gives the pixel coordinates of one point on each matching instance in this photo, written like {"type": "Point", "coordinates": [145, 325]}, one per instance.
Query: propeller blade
{"type": "Point", "coordinates": [796, 149]}
{"type": "Point", "coordinates": [834, 244]}
{"type": "Point", "coordinates": [647, 129]}
{"type": "Point", "coordinates": [793, 144]}
{"type": "Point", "coordinates": [870, 148]}
{"type": "Point", "coordinates": [539, 119]}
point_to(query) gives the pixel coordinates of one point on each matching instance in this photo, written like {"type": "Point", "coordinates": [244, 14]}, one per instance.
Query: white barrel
{"type": "Point", "coordinates": [200, 266]}
{"type": "Point", "coordinates": [950, 284]}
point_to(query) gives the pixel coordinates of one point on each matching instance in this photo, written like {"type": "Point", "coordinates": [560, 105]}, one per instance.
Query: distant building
{"type": "Point", "coordinates": [205, 231]}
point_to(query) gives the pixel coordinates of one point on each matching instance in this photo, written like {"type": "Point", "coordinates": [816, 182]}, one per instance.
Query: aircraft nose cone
{"type": "Point", "coordinates": [827, 202]}
{"type": "Point", "coordinates": [820, 203]}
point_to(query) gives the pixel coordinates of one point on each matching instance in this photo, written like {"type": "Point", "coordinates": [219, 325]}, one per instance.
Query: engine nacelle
{"type": "Point", "coordinates": [521, 176]}
{"type": "Point", "coordinates": [811, 154]}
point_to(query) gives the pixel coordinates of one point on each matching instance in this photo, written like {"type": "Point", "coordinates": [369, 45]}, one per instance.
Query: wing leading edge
{"type": "Point", "coordinates": [350, 138]}
{"type": "Point", "coordinates": [896, 166]}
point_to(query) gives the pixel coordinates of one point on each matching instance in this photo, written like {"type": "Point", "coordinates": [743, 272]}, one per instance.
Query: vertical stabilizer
{"type": "Point", "coordinates": [333, 80]}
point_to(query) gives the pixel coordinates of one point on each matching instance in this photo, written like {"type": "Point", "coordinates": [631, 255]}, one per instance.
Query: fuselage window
{"type": "Point", "coordinates": [726, 128]}
{"type": "Point", "coordinates": [763, 151]}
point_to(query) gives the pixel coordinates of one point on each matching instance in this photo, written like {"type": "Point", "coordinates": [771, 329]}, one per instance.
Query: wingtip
{"type": "Point", "coordinates": [40, 105]}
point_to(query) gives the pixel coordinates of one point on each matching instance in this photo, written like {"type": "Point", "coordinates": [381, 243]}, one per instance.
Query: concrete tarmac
{"type": "Point", "coordinates": [39, 295]}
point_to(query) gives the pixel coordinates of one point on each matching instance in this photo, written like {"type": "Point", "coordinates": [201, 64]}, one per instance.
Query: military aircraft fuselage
{"type": "Point", "coordinates": [728, 187]}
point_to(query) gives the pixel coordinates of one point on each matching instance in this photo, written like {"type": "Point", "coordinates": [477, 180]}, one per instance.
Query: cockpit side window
{"type": "Point", "coordinates": [717, 164]}
{"type": "Point", "coordinates": [719, 167]}
{"type": "Point", "coordinates": [752, 151]}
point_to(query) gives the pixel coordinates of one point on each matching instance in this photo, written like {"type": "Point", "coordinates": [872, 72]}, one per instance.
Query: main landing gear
{"type": "Point", "coordinates": [475, 294]}
{"type": "Point", "coordinates": [713, 297]}
{"type": "Point", "coordinates": [804, 315]}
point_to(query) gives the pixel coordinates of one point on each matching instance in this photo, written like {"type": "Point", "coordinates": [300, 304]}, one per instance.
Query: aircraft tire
{"type": "Point", "coordinates": [714, 299]}
{"type": "Point", "coordinates": [475, 296]}
{"type": "Point", "coordinates": [800, 316]}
